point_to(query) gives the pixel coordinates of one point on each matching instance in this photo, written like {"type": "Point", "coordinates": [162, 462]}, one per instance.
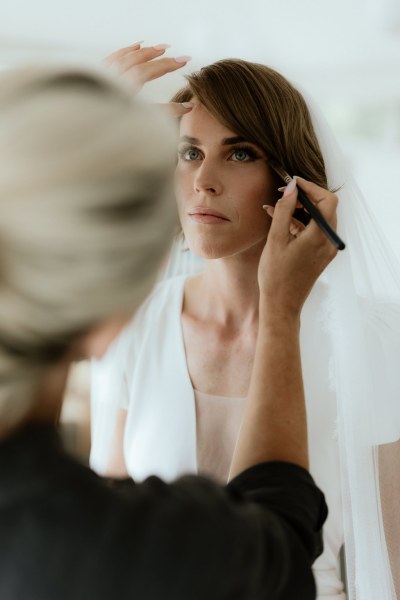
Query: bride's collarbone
{"type": "Point", "coordinates": [217, 338]}
{"type": "Point", "coordinates": [219, 360]}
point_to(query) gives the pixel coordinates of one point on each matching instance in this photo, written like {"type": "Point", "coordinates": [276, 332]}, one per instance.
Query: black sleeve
{"type": "Point", "coordinates": [253, 539]}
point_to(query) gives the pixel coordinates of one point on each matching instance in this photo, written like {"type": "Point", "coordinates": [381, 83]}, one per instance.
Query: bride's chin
{"type": "Point", "coordinates": [209, 251]}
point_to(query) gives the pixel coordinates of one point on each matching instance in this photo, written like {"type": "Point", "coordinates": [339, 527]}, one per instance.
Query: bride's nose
{"type": "Point", "coordinates": [207, 179]}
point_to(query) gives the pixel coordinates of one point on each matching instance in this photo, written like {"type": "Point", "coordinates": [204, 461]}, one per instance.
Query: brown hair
{"type": "Point", "coordinates": [259, 104]}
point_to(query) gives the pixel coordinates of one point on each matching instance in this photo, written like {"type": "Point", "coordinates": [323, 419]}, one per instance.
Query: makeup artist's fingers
{"type": "Point", "coordinates": [295, 226]}
{"type": "Point", "coordinates": [325, 200]}
{"type": "Point", "coordinates": [141, 65]}
{"type": "Point", "coordinates": [128, 59]}
{"type": "Point", "coordinates": [119, 54]}
{"type": "Point", "coordinates": [141, 56]}
{"type": "Point", "coordinates": [282, 189]}
{"type": "Point", "coordinates": [285, 227]}
{"type": "Point", "coordinates": [292, 262]}
{"type": "Point", "coordinates": [176, 109]}
{"type": "Point", "coordinates": [283, 215]}
{"type": "Point", "coordinates": [157, 68]}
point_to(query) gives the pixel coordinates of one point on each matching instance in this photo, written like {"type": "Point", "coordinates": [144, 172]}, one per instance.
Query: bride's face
{"type": "Point", "coordinates": [222, 182]}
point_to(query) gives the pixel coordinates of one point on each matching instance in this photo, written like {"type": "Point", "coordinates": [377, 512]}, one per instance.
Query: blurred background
{"type": "Point", "coordinates": [346, 53]}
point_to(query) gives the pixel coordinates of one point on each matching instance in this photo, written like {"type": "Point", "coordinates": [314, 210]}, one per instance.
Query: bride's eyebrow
{"type": "Point", "coordinates": [237, 139]}
{"type": "Point", "coordinates": [190, 140]}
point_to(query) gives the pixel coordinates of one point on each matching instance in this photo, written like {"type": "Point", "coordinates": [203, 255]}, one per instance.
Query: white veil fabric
{"type": "Point", "coordinates": [363, 321]}
{"type": "Point", "coordinates": [362, 318]}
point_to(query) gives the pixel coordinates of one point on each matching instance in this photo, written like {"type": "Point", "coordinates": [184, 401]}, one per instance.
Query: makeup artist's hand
{"type": "Point", "coordinates": [140, 65]}
{"type": "Point", "coordinates": [295, 255]}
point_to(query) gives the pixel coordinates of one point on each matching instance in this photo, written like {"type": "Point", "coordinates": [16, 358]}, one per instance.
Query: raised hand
{"type": "Point", "coordinates": [295, 255]}
{"type": "Point", "coordinates": [140, 65]}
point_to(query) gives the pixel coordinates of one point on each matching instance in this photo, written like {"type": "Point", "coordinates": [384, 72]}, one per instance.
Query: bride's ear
{"type": "Point", "coordinates": [95, 342]}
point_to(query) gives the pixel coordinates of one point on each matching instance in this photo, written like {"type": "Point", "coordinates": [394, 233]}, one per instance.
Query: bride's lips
{"type": "Point", "coordinates": [206, 215]}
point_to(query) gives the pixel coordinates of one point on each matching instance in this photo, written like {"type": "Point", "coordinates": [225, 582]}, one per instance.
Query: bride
{"type": "Point", "coordinates": [191, 346]}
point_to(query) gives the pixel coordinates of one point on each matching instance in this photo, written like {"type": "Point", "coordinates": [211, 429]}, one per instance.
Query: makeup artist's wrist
{"type": "Point", "coordinates": [279, 322]}
{"type": "Point", "coordinates": [276, 318]}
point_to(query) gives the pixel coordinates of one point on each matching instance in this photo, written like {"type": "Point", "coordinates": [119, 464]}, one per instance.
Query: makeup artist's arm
{"type": "Point", "coordinates": [274, 426]}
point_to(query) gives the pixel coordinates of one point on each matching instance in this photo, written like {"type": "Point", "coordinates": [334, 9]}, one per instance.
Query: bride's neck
{"type": "Point", "coordinates": [227, 291]}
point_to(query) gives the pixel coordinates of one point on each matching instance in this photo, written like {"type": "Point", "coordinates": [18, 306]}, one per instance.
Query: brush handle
{"type": "Point", "coordinates": [320, 221]}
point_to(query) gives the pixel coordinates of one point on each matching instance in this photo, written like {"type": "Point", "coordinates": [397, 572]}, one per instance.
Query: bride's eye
{"type": "Point", "coordinates": [243, 155]}
{"type": "Point", "coordinates": [240, 155]}
{"type": "Point", "coordinates": [192, 154]}
{"type": "Point", "coordinates": [189, 154]}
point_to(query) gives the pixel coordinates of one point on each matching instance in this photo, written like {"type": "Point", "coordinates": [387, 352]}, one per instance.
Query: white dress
{"type": "Point", "coordinates": [152, 382]}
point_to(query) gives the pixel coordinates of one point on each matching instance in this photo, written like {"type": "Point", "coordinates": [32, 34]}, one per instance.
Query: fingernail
{"type": "Point", "coordinates": [187, 104]}
{"type": "Point", "coordinates": [137, 43]}
{"type": "Point", "coordinates": [269, 209]}
{"type": "Point", "coordinates": [162, 46]}
{"type": "Point", "coordinates": [290, 187]}
{"type": "Point", "coordinates": [182, 59]}
{"type": "Point", "coordinates": [282, 189]}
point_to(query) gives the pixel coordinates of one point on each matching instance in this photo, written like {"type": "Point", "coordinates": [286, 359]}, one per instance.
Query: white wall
{"type": "Point", "coordinates": [345, 52]}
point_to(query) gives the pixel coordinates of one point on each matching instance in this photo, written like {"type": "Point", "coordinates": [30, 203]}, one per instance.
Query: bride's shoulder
{"type": "Point", "coordinates": [158, 308]}
{"type": "Point", "coordinates": [166, 291]}
{"type": "Point", "coordinates": [165, 296]}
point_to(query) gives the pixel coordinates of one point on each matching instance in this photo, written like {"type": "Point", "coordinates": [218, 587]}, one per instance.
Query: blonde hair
{"type": "Point", "coordinates": [86, 214]}
{"type": "Point", "coordinates": [259, 104]}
